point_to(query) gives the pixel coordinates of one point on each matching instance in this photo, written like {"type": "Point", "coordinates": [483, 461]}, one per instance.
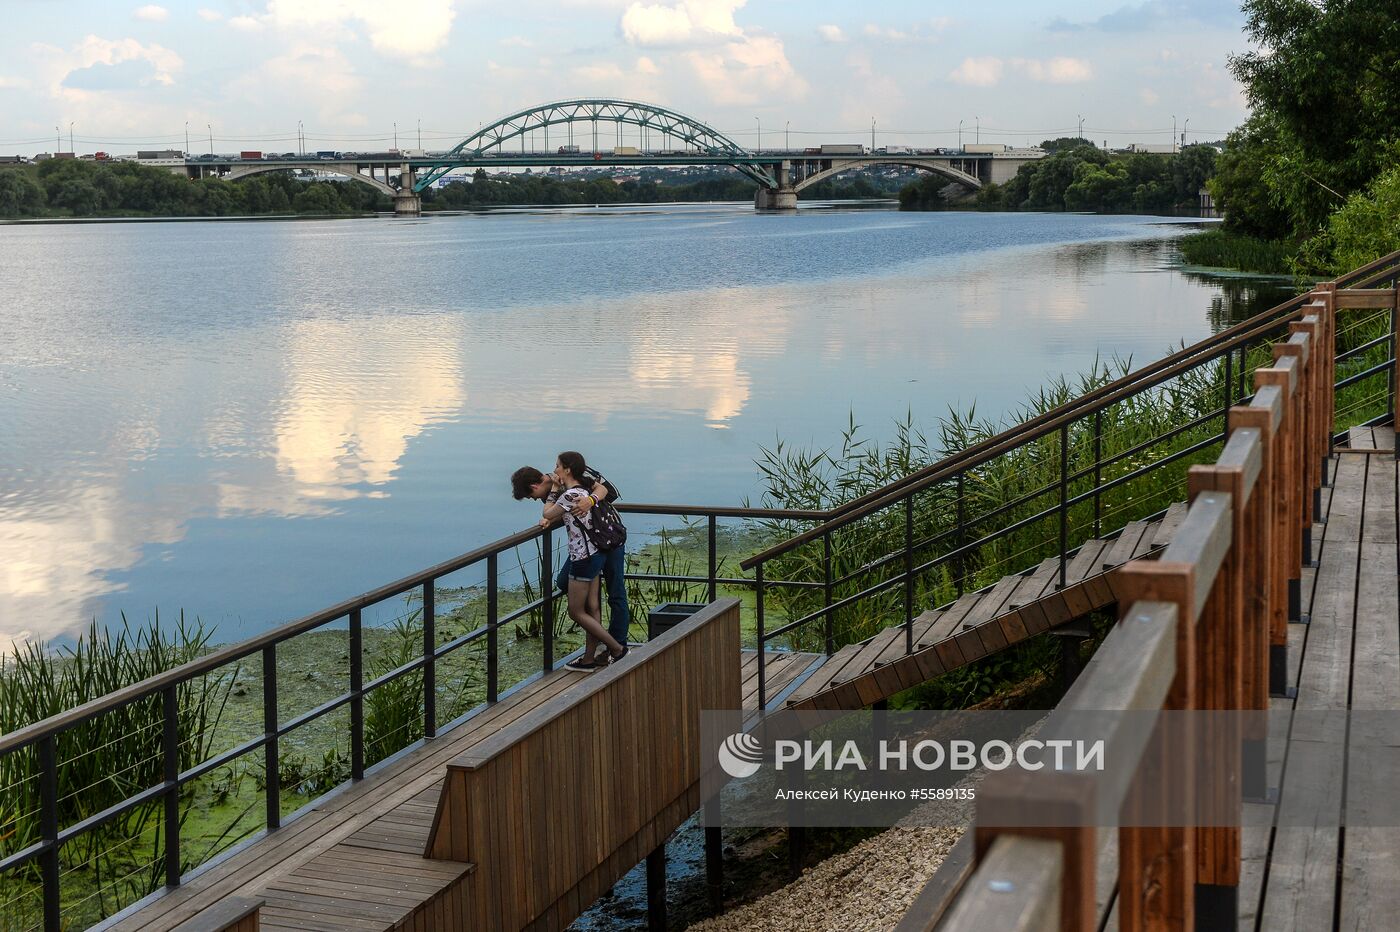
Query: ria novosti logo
{"type": "Point", "coordinates": [740, 755]}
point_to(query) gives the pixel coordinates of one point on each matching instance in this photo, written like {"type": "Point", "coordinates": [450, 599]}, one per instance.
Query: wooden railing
{"type": "Point", "coordinates": [1204, 627]}
{"type": "Point", "coordinates": [602, 779]}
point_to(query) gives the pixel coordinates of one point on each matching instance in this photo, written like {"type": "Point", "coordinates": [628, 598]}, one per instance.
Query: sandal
{"type": "Point", "coordinates": [582, 666]}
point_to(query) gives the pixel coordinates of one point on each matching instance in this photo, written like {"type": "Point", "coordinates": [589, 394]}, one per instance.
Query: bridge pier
{"type": "Point", "coordinates": [406, 202]}
{"type": "Point", "coordinates": [775, 199]}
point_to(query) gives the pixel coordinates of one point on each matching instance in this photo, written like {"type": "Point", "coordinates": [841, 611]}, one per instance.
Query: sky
{"type": "Point", "coordinates": [770, 72]}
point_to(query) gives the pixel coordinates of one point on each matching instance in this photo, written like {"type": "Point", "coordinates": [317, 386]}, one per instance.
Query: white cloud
{"type": "Point", "coordinates": [95, 52]}
{"type": "Point", "coordinates": [647, 66]}
{"type": "Point", "coordinates": [210, 16]}
{"type": "Point", "coordinates": [319, 73]}
{"type": "Point", "coordinates": [884, 32]}
{"type": "Point", "coordinates": [831, 33]}
{"type": "Point", "coordinates": [151, 13]}
{"type": "Point", "coordinates": [8, 82]}
{"type": "Point", "coordinates": [686, 22]}
{"type": "Point", "coordinates": [407, 28]}
{"type": "Point", "coordinates": [747, 72]}
{"type": "Point", "coordinates": [246, 24]}
{"type": "Point", "coordinates": [1148, 96]}
{"type": "Point", "coordinates": [517, 42]}
{"type": "Point", "coordinates": [1060, 70]}
{"type": "Point", "coordinates": [732, 65]}
{"type": "Point", "coordinates": [978, 72]}
{"type": "Point", "coordinates": [987, 71]}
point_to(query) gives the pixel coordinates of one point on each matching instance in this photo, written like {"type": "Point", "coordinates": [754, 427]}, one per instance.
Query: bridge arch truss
{"type": "Point", "coordinates": [685, 130]}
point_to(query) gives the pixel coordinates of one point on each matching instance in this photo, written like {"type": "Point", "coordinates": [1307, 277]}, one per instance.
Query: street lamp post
{"type": "Point", "coordinates": [1185, 123]}
{"type": "Point", "coordinates": [57, 140]}
{"type": "Point", "coordinates": [187, 139]}
{"type": "Point", "coordinates": [70, 138]}
{"type": "Point", "coordinates": [1081, 126]}
{"type": "Point", "coordinates": [1173, 132]}
{"type": "Point", "coordinates": [396, 136]}
{"type": "Point", "coordinates": [759, 124]}
{"type": "Point", "coordinates": [787, 143]}
{"type": "Point", "coordinates": [872, 135]}
{"type": "Point", "coordinates": [960, 123]}
{"type": "Point", "coordinates": [978, 135]}
{"type": "Point", "coordinates": [211, 137]}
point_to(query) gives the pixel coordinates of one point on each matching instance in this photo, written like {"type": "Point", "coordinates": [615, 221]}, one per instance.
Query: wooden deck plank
{"type": "Point", "coordinates": [1124, 545]}
{"type": "Point", "coordinates": [1370, 893]}
{"type": "Point", "coordinates": [1302, 871]}
{"type": "Point", "coordinates": [339, 816]}
{"type": "Point", "coordinates": [1176, 511]}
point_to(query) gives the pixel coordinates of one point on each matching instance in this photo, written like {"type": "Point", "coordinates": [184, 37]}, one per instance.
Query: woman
{"type": "Point", "coordinates": [585, 561]}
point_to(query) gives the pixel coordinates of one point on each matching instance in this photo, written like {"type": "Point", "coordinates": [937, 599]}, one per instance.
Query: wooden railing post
{"type": "Point", "coordinates": [1158, 862]}
{"type": "Point", "coordinates": [1018, 795]}
{"type": "Point", "coordinates": [1267, 592]}
{"type": "Point", "coordinates": [1228, 662]}
{"type": "Point", "coordinates": [1299, 348]}
{"type": "Point", "coordinates": [1324, 305]}
{"type": "Point", "coordinates": [1288, 486]}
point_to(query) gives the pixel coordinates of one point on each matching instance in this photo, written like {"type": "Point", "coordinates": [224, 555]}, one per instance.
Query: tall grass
{"type": "Point", "coordinates": [1220, 249]}
{"type": "Point", "coordinates": [104, 760]}
{"type": "Point", "coordinates": [1018, 490]}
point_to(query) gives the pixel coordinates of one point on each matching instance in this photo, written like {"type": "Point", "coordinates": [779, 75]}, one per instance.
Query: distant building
{"type": "Point", "coordinates": [168, 158]}
{"type": "Point", "coordinates": [1153, 147]}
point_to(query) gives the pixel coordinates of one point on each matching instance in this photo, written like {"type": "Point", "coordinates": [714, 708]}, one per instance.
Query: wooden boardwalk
{"type": "Point", "coordinates": [1348, 657]}
{"type": "Point", "coordinates": [355, 862]}
{"type": "Point", "coordinates": [1296, 876]}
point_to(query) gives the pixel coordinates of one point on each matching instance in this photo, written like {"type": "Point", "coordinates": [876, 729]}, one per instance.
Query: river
{"type": "Point", "coordinates": [249, 421]}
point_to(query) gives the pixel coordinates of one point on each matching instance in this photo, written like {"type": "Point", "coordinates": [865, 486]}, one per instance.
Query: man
{"type": "Point", "coordinates": [529, 482]}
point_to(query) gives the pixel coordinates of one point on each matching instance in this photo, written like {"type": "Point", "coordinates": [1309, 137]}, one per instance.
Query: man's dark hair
{"type": "Point", "coordinates": [523, 482]}
{"type": "Point", "coordinates": [574, 463]}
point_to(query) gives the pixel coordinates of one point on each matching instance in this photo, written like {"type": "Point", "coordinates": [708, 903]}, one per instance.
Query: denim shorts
{"type": "Point", "coordinates": [587, 570]}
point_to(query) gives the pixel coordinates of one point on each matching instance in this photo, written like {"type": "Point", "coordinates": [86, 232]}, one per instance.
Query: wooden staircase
{"type": "Point", "coordinates": [1016, 608]}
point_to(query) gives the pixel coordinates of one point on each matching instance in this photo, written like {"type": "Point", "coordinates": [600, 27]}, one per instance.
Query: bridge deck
{"type": "Point", "coordinates": [355, 861]}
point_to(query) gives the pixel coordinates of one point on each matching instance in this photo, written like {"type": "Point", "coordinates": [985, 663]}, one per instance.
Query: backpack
{"type": "Point", "coordinates": [605, 530]}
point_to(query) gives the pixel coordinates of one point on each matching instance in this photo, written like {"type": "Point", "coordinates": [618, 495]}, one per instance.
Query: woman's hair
{"type": "Point", "coordinates": [574, 463]}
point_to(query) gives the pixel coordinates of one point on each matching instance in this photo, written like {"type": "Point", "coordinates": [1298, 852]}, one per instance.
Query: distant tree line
{"type": "Point", "coordinates": [79, 188]}
{"type": "Point", "coordinates": [1077, 175]}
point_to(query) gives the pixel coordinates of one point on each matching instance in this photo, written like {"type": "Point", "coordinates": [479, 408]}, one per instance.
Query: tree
{"type": "Point", "coordinates": [20, 194]}
{"type": "Point", "coordinates": [1192, 167]}
{"type": "Point", "coordinates": [1240, 187]}
{"type": "Point", "coordinates": [1326, 83]}
{"type": "Point", "coordinates": [319, 197]}
{"type": "Point", "coordinates": [77, 194]}
{"type": "Point", "coordinates": [1064, 143]}
{"type": "Point", "coordinates": [1366, 227]}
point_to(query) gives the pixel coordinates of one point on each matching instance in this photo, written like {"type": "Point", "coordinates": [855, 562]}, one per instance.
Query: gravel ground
{"type": "Point", "coordinates": [866, 889]}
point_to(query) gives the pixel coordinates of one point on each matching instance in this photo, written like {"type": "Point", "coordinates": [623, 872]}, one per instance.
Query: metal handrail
{"type": "Point", "coordinates": [1097, 398]}
{"type": "Point", "coordinates": [900, 495]}
{"type": "Point", "coordinates": [43, 735]}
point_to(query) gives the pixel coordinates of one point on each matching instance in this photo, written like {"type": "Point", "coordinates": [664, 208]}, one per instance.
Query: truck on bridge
{"type": "Point", "coordinates": [842, 149]}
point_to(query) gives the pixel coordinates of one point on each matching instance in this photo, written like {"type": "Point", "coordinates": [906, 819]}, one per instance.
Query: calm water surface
{"type": "Point", "coordinates": [249, 421]}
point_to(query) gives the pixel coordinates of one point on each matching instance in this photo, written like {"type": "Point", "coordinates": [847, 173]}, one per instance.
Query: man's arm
{"type": "Point", "coordinates": [601, 492]}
